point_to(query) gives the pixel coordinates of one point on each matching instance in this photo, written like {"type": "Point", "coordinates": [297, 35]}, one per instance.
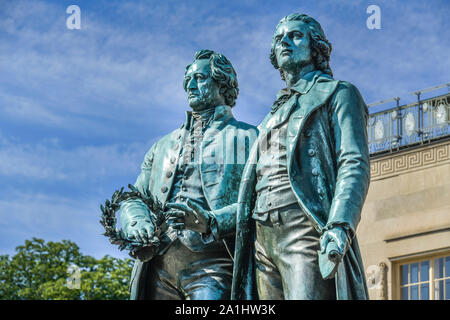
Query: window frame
{"type": "Point", "coordinates": [431, 273]}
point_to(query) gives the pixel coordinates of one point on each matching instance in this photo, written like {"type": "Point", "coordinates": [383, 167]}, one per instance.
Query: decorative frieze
{"type": "Point", "coordinates": [420, 158]}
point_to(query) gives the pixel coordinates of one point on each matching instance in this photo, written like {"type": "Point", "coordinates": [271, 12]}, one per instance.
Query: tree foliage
{"type": "Point", "coordinates": [41, 270]}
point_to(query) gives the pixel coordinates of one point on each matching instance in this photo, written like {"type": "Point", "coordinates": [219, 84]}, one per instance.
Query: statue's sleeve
{"type": "Point", "coordinates": [225, 220]}
{"type": "Point", "coordinates": [349, 116]}
{"type": "Point", "coordinates": [135, 209]}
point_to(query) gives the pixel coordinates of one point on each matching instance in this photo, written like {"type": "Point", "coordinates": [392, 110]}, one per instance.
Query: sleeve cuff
{"type": "Point", "coordinates": [223, 222]}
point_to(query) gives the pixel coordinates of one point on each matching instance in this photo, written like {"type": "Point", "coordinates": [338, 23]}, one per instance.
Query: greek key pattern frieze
{"type": "Point", "coordinates": [410, 161]}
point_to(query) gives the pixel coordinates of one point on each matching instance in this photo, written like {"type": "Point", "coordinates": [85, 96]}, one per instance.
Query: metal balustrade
{"type": "Point", "coordinates": [416, 123]}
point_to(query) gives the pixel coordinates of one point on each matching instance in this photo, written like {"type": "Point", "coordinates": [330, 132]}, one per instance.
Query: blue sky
{"type": "Point", "coordinates": [80, 108]}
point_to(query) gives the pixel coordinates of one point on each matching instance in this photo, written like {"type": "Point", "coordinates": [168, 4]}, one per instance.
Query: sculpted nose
{"type": "Point", "coordinates": [285, 41]}
{"type": "Point", "coordinates": [192, 84]}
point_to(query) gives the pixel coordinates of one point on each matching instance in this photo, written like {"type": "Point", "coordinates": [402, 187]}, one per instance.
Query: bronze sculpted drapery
{"type": "Point", "coordinates": [295, 211]}
{"type": "Point", "coordinates": [327, 166]}
{"type": "Point", "coordinates": [305, 182]}
{"type": "Point", "coordinates": [186, 165]}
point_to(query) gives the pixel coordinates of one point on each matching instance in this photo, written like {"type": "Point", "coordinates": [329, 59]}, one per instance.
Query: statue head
{"type": "Point", "coordinates": [299, 41]}
{"type": "Point", "coordinates": [210, 81]}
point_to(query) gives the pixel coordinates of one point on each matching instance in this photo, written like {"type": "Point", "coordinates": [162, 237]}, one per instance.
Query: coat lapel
{"type": "Point", "coordinates": [280, 115]}
{"type": "Point", "coordinates": [318, 96]}
{"type": "Point", "coordinates": [212, 142]}
{"type": "Point", "coordinates": [171, 159]}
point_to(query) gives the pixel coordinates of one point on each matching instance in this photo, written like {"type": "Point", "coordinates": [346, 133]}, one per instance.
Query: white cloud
{"type": "Point", "coordinates": [72, 75]}
{"type": "Point", "coordinates": [48, 160]}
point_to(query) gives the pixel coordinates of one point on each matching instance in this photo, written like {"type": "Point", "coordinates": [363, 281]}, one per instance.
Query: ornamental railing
{"type": "Point", "coordinates": [416, 123]}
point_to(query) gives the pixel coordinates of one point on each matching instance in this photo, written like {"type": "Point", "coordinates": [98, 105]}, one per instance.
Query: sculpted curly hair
{"type": "Point", "coordinates": [222, 72]}
{"type": "Point", "coordinates": [319, 44]}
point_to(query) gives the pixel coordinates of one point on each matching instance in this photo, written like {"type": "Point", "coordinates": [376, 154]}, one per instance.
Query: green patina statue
{"type": "Point", "coordinates": [305, 181]}
{"type": "Point", "coordinates": [199, 166]}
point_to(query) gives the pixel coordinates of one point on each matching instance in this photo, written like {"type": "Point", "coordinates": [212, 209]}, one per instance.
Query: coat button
{"type": "Point", "coordinates": [311, 152]}
{"type": "Point", "coordinates": [164, 189]}
{"type": "Point", "coordinates": [269, 204]}
{"type": "Point", "coordinates": [169, 174]}
{"type": "Point", "coordinates": [172, 160]}
{"type": "Point", "coordinates": [315, 172]}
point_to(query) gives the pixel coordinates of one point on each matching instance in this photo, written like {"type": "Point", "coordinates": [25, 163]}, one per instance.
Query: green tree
{"type": "Point", "coordinates": [40, 270]}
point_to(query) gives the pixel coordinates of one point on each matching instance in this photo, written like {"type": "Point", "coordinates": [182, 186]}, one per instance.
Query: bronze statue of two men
{"type": "Point", "coordinates": [258, 213]}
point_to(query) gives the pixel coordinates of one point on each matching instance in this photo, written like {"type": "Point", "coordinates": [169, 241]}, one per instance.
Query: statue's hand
{"type": "Point", "coordinates": [195, 217]}
{"type": "Point", "coordinates": [339, 236]}
{"type": "Point", "coordinates": [141, 230]}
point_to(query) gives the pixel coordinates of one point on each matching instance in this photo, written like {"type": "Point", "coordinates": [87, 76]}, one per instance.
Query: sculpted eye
{"type": "Point", "coordinates": [297, 34]}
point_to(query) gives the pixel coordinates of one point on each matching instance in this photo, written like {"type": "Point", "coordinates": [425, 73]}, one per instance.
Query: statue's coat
{"type": "Point", "coordinates": [223, 153]}
{"type": "Point", "coordinates": [329, 171]}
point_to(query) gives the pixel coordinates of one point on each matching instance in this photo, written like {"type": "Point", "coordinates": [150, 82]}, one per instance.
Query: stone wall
{"type": "Point", "coordinates": [406, 213]}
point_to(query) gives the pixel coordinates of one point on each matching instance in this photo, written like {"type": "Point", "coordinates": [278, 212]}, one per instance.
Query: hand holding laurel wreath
{"type": "Point", "coordinates": [142, 231]}
{"type": "Point", "coordinates": [142, 237]}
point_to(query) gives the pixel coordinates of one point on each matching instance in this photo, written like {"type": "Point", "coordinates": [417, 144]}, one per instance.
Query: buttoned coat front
{"type": "Point", "coordinates": [224, 151]}
{"type": "Point", "coordinates": [328, 167]}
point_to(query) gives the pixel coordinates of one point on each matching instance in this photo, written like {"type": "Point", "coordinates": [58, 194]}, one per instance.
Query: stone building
{"type": "Point", "coordinates": [404, 233]}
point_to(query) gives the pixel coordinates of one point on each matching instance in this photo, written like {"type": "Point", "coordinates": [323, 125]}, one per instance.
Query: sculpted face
{"type": "Point", "coordinates": [202, 90]}
{"type": "Point", "coordinates": [292, 46]}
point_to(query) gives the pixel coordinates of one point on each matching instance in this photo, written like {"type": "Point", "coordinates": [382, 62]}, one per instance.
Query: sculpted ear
{"type": "Point", "coordinates": [222, 90]}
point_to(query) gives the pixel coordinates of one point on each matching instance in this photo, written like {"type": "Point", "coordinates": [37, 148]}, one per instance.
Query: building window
{"type": "Point", "coordinates": [442, 278]}
{"type": "Point", "coordinates": [425, 279]}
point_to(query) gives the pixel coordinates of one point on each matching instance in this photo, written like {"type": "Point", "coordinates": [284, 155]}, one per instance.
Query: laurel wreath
{"type": "Point", "coordinates": [117, 236]}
